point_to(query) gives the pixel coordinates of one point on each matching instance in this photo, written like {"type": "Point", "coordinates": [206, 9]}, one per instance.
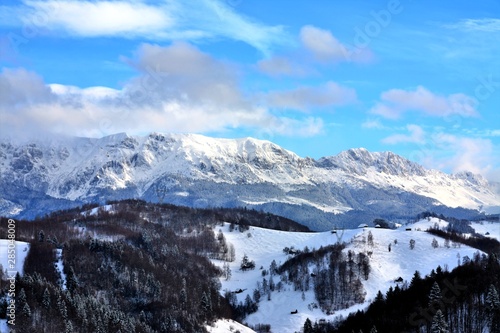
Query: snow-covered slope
{"type": "Point", "coordinates": [228, 326]}
{"type": "Point", "coordinates": [263, 246]}
{"type": "Point", "coordinates": [22, 249]}
{"type": "Point", "coordinates": [194, 170]}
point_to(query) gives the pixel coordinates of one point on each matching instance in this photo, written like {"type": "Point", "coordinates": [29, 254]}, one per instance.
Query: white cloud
{"type": "Point", "coordinates": [166, 20]}
{"type": "Point", "coordinates": [326, 48]}
{"type": "Point", "coordinates": [305, 98]}
{"type": "Point", "coordinates": [464, 153]}
{"type": "Point", "coordinates": [417, 135]}
{"type": "Point", "coordinates": [488, 25]}
{"type": "Point", "coordinates": [20, 88]}
{"type": "Point", "coordinates": [280, 66]}
{"type": "Point", "coordinates": [178, 89]}
{"type": "Point", "coordinates": [396, 102]}
{"type": "Point", "coordinates": [98, 18]}
{"type": "Point", "coordinates": [375, 124]}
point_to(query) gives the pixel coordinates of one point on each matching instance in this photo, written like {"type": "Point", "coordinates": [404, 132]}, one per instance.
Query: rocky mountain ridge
{"type": "Point", "coordinates": [194, 170]}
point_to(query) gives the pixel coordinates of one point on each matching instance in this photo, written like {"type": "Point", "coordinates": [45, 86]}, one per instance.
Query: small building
{"type": "Point", "coordinates": [363, 225]}
{"type": "Point", "coordinates": [378, 226]}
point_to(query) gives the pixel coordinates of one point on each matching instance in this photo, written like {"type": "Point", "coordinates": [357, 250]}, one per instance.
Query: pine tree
{"type": "Point", "coordinates": [435, 298]}
{"type": "Point", "coordinates": [183, 293]}
{"type": "Point", "coordinates": [308, 328]}
{"type": "Point", "coordinates": [435, 243]}
{"type": "Point", "coordinates": [205, 304]}
{"type": "Point", "coordinates": [21, 297]}
{"type": "Point", "coordinates": [46, 299]}
{"type": "Point", "coordinates": [416, 279]}
{"type": "Point", "coordinates": [492, 299]}
{"type": "Point", "coordinates": [71, 280]}
{"type": "Point", "coordinates": [493, 309]}
{"type": "Point", "coordinates": [61, 305]}
{"type": "Point", "coordinates": [26, 310]}
{"type": "Point", "coordinates": [41, 236]}
{"type": "Point", "coordinates": [439, 324]}
{"type": "Point", "coordinates": [370, 239]}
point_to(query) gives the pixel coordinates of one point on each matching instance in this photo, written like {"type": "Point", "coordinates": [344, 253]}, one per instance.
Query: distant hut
{"type": "Point", "coordinates": [378, 226]}
{"type": "Point", "coordinates": [363, 225]}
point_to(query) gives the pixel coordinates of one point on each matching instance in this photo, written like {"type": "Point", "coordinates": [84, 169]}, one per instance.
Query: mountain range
{"type": "Point", "coordinates": [42, 175]}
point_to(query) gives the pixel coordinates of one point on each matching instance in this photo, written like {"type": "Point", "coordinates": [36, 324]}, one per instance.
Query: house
{"type": "Point", "coordinates": [378, 226]}
{"type": "Point", "coordinates": [408, 229]}
{"type": "Point", "coordinates": [363, 225]}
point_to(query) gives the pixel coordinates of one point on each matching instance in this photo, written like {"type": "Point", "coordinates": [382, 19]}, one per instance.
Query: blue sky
{"type": "Point", "coordinates": [420, 78]}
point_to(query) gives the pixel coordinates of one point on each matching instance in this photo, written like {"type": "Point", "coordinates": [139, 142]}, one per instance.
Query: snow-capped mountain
{"type": "Point", "coordinates": [58, 172]}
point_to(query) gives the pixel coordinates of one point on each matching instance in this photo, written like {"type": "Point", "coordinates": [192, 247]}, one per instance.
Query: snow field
{"type": "Point", "coordinates": [60, 268]}
{"type": "Point", "coordinates": [228, 326]}
{"type": "Point", "coordinates": [22, 249]}
{"type": "Point", "coordinates": [263, 246]}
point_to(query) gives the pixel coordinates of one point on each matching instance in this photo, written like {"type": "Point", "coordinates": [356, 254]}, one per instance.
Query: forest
{"type": "Point", "coordinates": [130, 266]}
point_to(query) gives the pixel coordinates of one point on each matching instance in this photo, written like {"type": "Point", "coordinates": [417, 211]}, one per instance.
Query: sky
{"type": "Point", "coordinates": [419, 78]}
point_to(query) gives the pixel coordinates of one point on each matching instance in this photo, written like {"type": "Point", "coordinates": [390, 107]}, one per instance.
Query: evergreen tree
{"type": "Point", "coordinates": [435, 243]}
{"type": "Point", "coordinates": [183, 293]}
{"type": "Point", "coordinates": [308, 327]}
{"type": "Point", "coordinates": [412, 244]}
{"type": "Point", "coordinates": [26, 310]}
{"type": "Point", "coordinates": [416, 279]}
{"type": "Point", "coordinates": [246, 263]}
{"type": "Point", "coordinates": [41, 236]}
{"type": "Point", "coordinates": [21, 297]}
{"type": "Point", "coordinates": [61, 306]}
{"type": "Point", "coordinates": [439, 324]}
{"type": "Point", "coordinates": [46, 299]}
{"type": "Point", "coordinates": [435, 298]}
{"type": "Point", "coordinates": [493, 309]}
{"type": "Point", "coordinates": [370, 239]}
{"type": "Point", "coordinates": [205, 304]}
{"type": "Point", "coordinates": [71, 281]}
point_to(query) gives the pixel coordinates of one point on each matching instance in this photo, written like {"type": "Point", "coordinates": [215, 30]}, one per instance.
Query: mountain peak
{"type": "Point", "coordinates": [196, 170]}
{"type": "Point", "coordinates": [359, 161]}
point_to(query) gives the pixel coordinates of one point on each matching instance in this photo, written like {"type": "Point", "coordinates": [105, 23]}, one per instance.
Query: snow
{"type": "Point", "coordinates": [4, 328]}
{"type": "Point", "coordinates": [483, 227]}
{"type": "Point", "coordinates": [95, 210]}
{"type": "Point", "coordinates": [60, 268]}
{"type": "Point", "coordinates": [228, 326]}
{"type": "Point", "coordinates": [22, 249]}
{"type": "Point", "coordinates": [263, 246]}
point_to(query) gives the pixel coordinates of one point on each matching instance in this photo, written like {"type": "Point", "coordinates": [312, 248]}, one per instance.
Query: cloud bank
{"type": "Point", "coordinates": [395, 102]}
{"type": "Point", "coordinates": [178, 89]}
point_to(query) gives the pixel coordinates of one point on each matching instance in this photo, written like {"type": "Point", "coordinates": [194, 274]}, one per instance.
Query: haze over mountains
{"type": "Point", "coordinates": [194, 170]}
